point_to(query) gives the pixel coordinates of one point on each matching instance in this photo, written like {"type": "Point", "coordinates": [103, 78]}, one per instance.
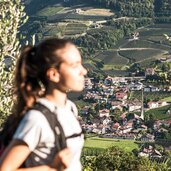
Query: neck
{"type": "Point", "coordinates": [57, 97]}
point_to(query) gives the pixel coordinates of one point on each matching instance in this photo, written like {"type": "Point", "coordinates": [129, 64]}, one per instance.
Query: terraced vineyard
{"type": "Point", "coordinates": [54, 30]}
{"type": "Point", "coordinates": [154, 31]}
{"type": "Point", "coordinates": [67, 22]}
{"type": "Point", "coordinates": [145, 44]}
{"type": "Point", "coordinates": [74, 29]}
{"type": "Point", "coordinates": [85, 17]}
{"type": "Point", "coordinates": [156, 39]}
{"type": "Point", "coordinates": [160, 26]}
{"type": "Point", "coordinates": [112, 57]}
{"type": "Point", "coordinates": [140, 54]}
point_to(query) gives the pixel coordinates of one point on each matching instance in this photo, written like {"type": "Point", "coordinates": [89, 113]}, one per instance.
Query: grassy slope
{"type": "Point", "coordinates": [49, 11]}
{"type": "Point", "coordinates": [161, 112]}
{"type": "Point", "coordinates": [150, 37]}
{"type": "Point", "coordinates": [167, 99]}
{"type": "Point", "coordinates": [103, 143]}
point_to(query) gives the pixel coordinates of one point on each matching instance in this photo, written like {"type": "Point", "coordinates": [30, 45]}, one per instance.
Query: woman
{"type": "Point", "coordinates": [44, 74]}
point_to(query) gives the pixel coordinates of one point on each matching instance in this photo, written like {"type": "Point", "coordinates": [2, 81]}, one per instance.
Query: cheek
{"type": "Point", "coordinates": [69, 77]}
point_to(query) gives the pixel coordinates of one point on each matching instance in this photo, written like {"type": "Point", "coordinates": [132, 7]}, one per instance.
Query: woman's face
{"type": "Point", "coordinates": [71, 70]}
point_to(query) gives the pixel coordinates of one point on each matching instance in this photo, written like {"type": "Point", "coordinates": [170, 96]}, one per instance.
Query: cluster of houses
{"type": "Point", "coordinates": [126, 128]}
{"type": "Point", "coordinates": [115, 93]}
{"type": "Point", "coordinates": [117, 115]}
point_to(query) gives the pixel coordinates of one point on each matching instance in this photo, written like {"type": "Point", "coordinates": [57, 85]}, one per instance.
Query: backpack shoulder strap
{"type": "Point", "coordinates": [75, 113]}
{"type": "Point", "coordinates": [56, 127]}
{"type": "Point", "coordinates": [73, 108]}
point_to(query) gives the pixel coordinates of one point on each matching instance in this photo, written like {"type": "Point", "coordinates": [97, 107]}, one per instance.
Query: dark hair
{"type": "Point", "coordinates": [31, 69]}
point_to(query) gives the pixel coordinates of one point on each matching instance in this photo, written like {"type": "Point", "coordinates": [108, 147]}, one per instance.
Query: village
{"type": "Point", "coordinates": [113, 114]}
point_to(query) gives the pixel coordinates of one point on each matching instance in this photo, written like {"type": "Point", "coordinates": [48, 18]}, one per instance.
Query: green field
{"type": "Point", "coordinates": [151, 95]}
{"type": "Point", "coordinates": [103, 143]}
{"type": "Point", "coordinates": [160, 113]}
{"type": "Point", "coordinates": [54, 30]}
{"type": "Point", "coordinates": [167, 99]}
{"type": "Point", "coordinates": [116, 73]}
{"type": "Point", "coordinates": [49, 11]}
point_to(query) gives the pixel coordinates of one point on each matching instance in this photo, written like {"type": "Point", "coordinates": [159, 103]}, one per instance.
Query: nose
{"type": "Point", "coordinates": [84, 71]}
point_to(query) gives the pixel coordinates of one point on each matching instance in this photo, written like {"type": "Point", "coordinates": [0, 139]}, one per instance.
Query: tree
{"type": "Point", "coordinates": [117, 159]}
{"type": "Point", "coordinates": [92, 111]}
{"type": "Point", "coordinates": [12, 17]}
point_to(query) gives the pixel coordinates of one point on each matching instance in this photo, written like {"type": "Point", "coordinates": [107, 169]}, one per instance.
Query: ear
{"type": "Point", "coordinates": [53, 75]}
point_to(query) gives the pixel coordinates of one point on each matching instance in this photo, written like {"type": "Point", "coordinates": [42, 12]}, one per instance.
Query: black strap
{"type": "Point", "coordinates": [75, 135]}
{"type": "Point", "coordinates": [60, 139]}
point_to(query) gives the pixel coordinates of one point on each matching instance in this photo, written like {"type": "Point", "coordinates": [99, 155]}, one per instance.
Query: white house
{"type": "Point", "coordinates": [104, 112]}
{"type": "Point", "coordinates": [134, 105]}
{"type": "Point", "coordinates": [152, 105]}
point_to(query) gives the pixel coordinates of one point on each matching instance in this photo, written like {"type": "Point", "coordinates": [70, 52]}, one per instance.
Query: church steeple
{"type": "Point", "coordinates": [142, 103]}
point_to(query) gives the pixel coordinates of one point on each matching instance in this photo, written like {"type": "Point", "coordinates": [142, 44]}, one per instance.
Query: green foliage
{"type": "Point", "coordinates": [12, 17]}
{"type": "Point", "coordinates": [131, 8]}
{"type": "Point", "coordinates": [99, 39]}
{"type": "Point", "coordinates": [115, 159]}
{"type": "Point", "coordinates": [163, 8]}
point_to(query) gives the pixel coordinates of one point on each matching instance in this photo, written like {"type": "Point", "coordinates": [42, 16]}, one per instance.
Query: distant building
{"type": "Point", "coordinates": [78, 10]}
{"type": "Point", "coordinates": [97, 25]}
{"type": "Point", "coordinates": [149, 151]}
{"type": "Point", "coordinates": [149, 71]}
{"type": "Point", "coordinates": [134, 105]}
{"type": "Point", "coordinates": [152, 105]}
{"type": "Point", "coordinates": [134, 36]}
{"type": "Point", "coordinates": [151, 89]}
{"type": "Point", "coordinates": [121, 96]}
{"type": "Point", "coordinates": [147, 138]}
{"type": "Point", "coordinates": [108, 80]}
{"type": "Point", "coordinates": [117, 104]}
{"type": "Point", "coordinates": [104, 112]}
{"type": "Point", "coordinates": [134, 87]}
{"type": "Point", "coordinates": [88, 83]}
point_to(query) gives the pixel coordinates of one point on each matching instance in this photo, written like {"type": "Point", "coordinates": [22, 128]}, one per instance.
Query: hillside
{"type": "Point", "coordinates": [104, 31]}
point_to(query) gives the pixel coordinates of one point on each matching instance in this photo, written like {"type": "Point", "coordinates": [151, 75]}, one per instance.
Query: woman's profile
{"type": "Point", "coordinates": [44, 74]}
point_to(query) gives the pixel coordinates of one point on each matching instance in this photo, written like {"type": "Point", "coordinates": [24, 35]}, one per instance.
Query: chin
{"type": "Point", "coordinates": [78, 89]}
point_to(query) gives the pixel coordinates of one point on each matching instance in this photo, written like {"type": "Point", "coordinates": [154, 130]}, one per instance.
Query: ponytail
{"type": "Point", "coordinates": [26, 80]}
